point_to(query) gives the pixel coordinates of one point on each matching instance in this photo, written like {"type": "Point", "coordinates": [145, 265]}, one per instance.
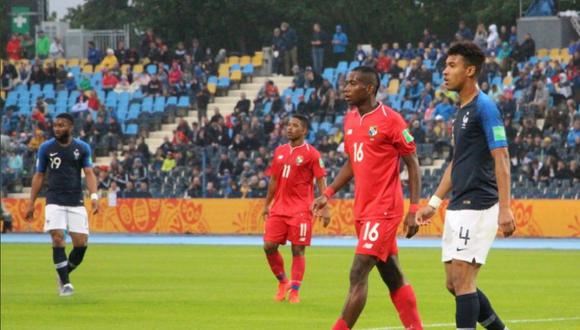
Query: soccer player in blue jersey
{"type": "Point", "coordinates": [62, 158]}
{"type": "Point", "coordinates": [479, 179]}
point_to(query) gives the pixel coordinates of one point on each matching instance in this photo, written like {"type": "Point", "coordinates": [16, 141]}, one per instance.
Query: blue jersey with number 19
{"type": "Point", "coordinates": [63, 164]}
{"type": "Point", "coordinates": [477, 129]}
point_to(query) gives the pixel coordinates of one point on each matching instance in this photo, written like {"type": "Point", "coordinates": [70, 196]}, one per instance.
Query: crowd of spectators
{"type": "Point", "coordinates": [227, 156]}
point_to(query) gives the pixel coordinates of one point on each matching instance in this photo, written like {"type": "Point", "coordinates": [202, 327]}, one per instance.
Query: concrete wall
{"type": "Point", "coordinates": [547, 32]}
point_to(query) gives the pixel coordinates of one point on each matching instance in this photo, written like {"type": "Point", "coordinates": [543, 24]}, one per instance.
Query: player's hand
{"type": "Point", "coordinates": [95, 204]}
{"type": "Point", "coordinates": [319, 203]}
{"type": "Point", "coordinates": [410, 225]}
{"type": "Point", "coordinates": [265, 212]}
{"type": "Point", "coordinates": [506, 222]}
{"type": "Point", "coordinates": [424, 215]}
{"type": "Point", "coordinates": [29, 212]}
{"type": "Point", "coordinates": [324, 214]}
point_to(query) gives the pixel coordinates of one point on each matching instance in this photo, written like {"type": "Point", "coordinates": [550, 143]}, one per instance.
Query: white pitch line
{"type": "Point", "coordinates": [442, 325]}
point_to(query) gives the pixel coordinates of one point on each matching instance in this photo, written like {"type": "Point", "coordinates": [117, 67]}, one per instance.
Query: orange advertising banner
{"type": "Point", "coordinates": [534, 218]}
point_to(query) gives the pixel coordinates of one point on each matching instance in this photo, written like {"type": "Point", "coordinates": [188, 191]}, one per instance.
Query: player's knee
{"type": "Point", "coordinates": [459, 284]}
{"type": "Point", "coordinates": [450, 287]}
{"type": "Point", "coordinates": [297, 250]}
{"type": "Point", "coordinates": [57, 239]}
{"type": "Point", "coordinates": [270, 248]}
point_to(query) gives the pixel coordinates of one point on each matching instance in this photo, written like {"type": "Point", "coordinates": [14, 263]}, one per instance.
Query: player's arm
{"type": "Point", "coordinates": [502, 173]}
{"type": "Point", "coordinates": [270, 195]}
{"type": "Point", "coordinates": [414, 170]}
{"type": "Point", "coordinates": [344, 176]}
{"type": "Point", "coordinates": [425, 213]}
{"type": "Point", "coordinates": [324, 213]}
{"type": "Point", "coordinates": [91, 178]}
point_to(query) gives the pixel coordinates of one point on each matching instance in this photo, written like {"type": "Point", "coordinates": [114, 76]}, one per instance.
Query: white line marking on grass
{"type": "Point", "coordinates": [442, 325]}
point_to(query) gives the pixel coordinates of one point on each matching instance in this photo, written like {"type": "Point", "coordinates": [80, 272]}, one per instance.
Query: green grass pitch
{"type": "Point", "coordinates": [224, 287]}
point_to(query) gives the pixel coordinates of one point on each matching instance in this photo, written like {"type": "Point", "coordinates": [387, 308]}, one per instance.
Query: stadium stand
{"type": "Point", "coordinates": [217, 122]}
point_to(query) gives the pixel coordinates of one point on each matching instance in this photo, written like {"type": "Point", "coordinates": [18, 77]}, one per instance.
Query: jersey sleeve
{"type": "Point", "coordinates": [87, 158]}
{"type": "Point", "coordinates": [492, 125]}
{"type": "Point", "coordinates": [403, 141]}
{"type": "Point", "coordinates": [318, 165]}
{"type": "Point", "coordinates": [41, 159]}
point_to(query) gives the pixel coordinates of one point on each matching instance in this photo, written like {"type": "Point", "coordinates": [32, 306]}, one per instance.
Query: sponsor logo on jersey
{"type": "Point", "coordinates": [373, 131]}
{"type": "Point", "coordinates": [299, 160]}
{"type": "Point", "coordinates": [52, 154]}
{"type": "Point", "coordinates": [368, 245]}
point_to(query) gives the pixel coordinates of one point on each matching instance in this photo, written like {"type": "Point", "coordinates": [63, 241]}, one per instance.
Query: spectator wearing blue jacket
{"type": "Point", "coordinates": [444, 108]}
{"type": "Point", "coordinates": [70, 83]}
{"type": "Point", "coordinates": [339, 43]}
{"type": "Point", "coordinates": [95, 55]}
{"type": "Point", "coordinates": [573, 140]}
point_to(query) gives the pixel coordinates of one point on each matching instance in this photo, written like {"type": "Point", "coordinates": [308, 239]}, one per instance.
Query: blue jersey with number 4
{"type": "Point", "coordinates": [63, 165]}
{"type": "Point", "coordinates": [477, 129]}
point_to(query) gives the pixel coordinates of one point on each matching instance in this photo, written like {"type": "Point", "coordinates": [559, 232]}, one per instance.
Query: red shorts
{"type": "Point", "coordinates": [377, 237]}
{"type": "Point", "coordinates": [297, 229]}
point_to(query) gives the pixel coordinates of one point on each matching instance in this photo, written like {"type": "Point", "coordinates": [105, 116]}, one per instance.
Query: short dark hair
{"type": "Point", "coordinates": [66, 116]}
{"type": "Point", "coordinates": [371, 76]}
{"type": "Point", "coordinates": [471, 52]}
{"type": "Point", "coordinates": [303, 120]}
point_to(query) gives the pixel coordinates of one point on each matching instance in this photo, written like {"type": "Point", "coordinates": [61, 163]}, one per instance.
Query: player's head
{"type": "Point", "coordinates": [463, 64]}
{"type": "Point", "coordinates": [63, 127]}
{"type": "Point", "coordinates": [297, 127]}
{"type": "Point", "coordinates": [361, 85]}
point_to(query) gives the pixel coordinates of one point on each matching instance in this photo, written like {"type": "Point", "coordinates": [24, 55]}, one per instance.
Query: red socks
{"type": "Point", "coordinates": [340, 325]}
{"type": "Point", "coordinates": [277, 266]}
{"type": "Point", "coordinates": [406, 304]}
{"type": "Point", "coordinates": [298, 267]}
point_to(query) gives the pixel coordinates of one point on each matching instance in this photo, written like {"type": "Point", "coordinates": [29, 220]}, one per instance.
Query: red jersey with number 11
{"type": "Point", "coordinates": [294, 170]}
{"type": "Point", "coordinates": [374, 143]}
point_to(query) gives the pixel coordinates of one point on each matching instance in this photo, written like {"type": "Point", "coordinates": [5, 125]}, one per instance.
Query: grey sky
{"type": "Point", "coordinates": [60, 6]}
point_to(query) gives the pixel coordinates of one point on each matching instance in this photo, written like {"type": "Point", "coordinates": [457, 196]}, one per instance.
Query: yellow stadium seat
{"type": "Point", "coordinates": [88, 68]}
{"type": "Point", "coordinates": [212, 88]}
{"type": "Point", "coordinates": [224, 70]}
{"type": "Point", "coordinates": [137, 68]}
{"type": "Point", "coordinates": [245, 60]}
{"type": "Point", "coordinates": [60, 61]}
{"type": "Point", "coordinates": [99, 68]}
{"type": "Point", "coordinates": [236, 76]}
{"type": "Point", "coordinates": [145, 60]}
{"type": "Point", "coordinates": [258, 59]}
{"type": "Point", "coordinates": [73, 62]}
{"type": "Point", "coordinates": [542, 52]}
{"type": "Point", "coordinates": [125, 68]}
{"type": "Point", "coordinates": [403, 64]}
{"type": "Point", "coordinates": [84, 62]}
{"type": "Point", "coordinates": [233, 60]}
{"type": "Point", "coordinates": [393, 87]}
{"type": "Point", "coordinates": [47, 62]}
{"type": "Point", "coordinates": [565, 58]}
{"type": "Point", "coordinates": [555, 52]}
{"type": "Point", "coordinates": [564, 51]}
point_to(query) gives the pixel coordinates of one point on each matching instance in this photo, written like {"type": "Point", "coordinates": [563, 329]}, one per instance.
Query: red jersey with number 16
{"type": "Point", "coordinates": [294, 170]}
{"type": "Point", "coordinates": [374, 143]}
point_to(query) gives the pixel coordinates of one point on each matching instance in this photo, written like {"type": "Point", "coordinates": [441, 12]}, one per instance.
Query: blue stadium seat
{"type": "Point", "coordinates": [183, 102]}
{"type": "Point", "coordinates": [353, 65]}
{"type": "Point", "coordinates": [152, 69]}
{"type": "Point", "coordinates": [35, 88]}
{"type": "Point", "coordinates": [223, 82]}
{"type": "Point", "coordinates": [342, 67]}
{"type": "Point", "coordinates": [248, 69]}
{"type": "Point", "coordinates": [138, 94]}
{"type": "Point", "coordinates": [172, 100]}
{"type": "Point", "coordinates": [48, 88]}
{"type": "Point", "coordinates": [130, 129]}
{"type": "Point", "coordinates": [287, 92]}
{"type": "Point", "coordinates": [147, 104]}
{"type": "Point", "coordinates": [235, 67]}
{"type": "Point", "coordinates": [212, 80]}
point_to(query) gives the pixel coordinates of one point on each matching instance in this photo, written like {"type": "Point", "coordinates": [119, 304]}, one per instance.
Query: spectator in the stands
{"type": "Point", "coordinates": [23, 73]}
{"type": "Point", "coordinates": [129, 191]}
{"type": "Point", "coordinates": [138, 171]}
{"type": "Point", "coordinates": [42, 45]}
{"type": "Point", "coordinates": [318, 41]}
{"type": "Point", "coordinates": [169, 163]}
{"type": "Point", "coordinates": [444, 109]}
{"type": "Point", "coordinates": [154, 87]}
{"type": "Point", "coordinates": [37, 76]}
{"type": "Point", "coordinates": [175, 74]}
{"type": "Point", "coordinates": [56, 49]}
{"type": "Point", "coordinates": [278, 51]}
{"type": "Point", "coordinates": [480, 38]}
{"type": "Point", "coordinates": [339, 44]}
{"type": "Point", "coordinates": [110, 61]}
{"type": "Point", "coordinates": [94, 54]}
{"type": "Point", "coordinates": [563, 172]}
{"type": "Point", "coordinates": [464, 31]}
{"type": "Point", "coordinates": [109, 81]}
{"type": "Point", "coordinates": [14, 48]}
{"type": "Point", "coordinates": [243, 105]}
{"type": "Point", "coordinates": [573, 139]}
{"type": "Point", "coordinates": [291, 42]}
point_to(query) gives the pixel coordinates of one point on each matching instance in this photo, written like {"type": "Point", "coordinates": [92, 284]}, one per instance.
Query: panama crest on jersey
{"type": "Point", "coordinates": [299, 160]}
{"type": "Point", "coordinates": [373, 131]}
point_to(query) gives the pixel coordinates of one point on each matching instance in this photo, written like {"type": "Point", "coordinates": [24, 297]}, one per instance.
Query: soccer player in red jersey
{"type": "Point", "coordinates": [294, 167]}
{"type": "Point", "coordinates": [375, 139]}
